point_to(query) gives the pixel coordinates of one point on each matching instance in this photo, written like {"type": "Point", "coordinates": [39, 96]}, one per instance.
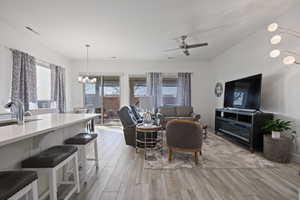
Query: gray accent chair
{"type": "Point", "coordinates": [184, 136]}
{"type": "Point", "coordinates": [168, 113]}
{"type": "Point", "coordinates": [129, 124]}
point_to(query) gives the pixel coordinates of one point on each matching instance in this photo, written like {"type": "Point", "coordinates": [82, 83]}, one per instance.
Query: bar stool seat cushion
{"type": "Point", "coordinates": [50, 157]}
{"type": "Point", "coordinates": [12, 182]}
{"type": "Point", "coordinates": [81, 139]}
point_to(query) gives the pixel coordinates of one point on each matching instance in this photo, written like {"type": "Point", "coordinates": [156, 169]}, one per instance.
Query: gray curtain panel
{"type": "Point", "coordinates": [184, 89]}
{"type": "Point", "coordinates": [23, 78]}
{"type": "Point", "coordinates": [154, 88]}
{"type": "Point", "coordinates": [58, 88]}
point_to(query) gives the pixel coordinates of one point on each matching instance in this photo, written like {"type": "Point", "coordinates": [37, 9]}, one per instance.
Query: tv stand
{"type": "Point", "coordinates": [242, 126]}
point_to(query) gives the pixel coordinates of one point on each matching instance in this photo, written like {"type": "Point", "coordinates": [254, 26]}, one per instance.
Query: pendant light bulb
{"type": "Point", "coordinates": [273, 27]}
{"type": "Point", "coordinates": [289, 60]}
{"type": "Point", "coordinates": [275, 53]}
{"type": "Point", "coordinates": [276, 39]}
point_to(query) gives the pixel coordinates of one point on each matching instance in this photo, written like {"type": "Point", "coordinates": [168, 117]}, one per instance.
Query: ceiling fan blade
{"type": "Point", "coordinates": [196, 45]}
{"type": "Point", "coordinates": [175, 49]}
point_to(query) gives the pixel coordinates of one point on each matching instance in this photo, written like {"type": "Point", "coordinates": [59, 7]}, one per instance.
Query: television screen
{"type": "Point", "coordinates": [243, 93]}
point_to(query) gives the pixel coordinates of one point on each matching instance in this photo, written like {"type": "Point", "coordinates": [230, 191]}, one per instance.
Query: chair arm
{"type": "Point", "coordinates": [196, 117]}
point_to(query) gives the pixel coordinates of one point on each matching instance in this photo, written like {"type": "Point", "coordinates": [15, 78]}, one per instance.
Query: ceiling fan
{"type": "Point", "coordinates": [185, 47]}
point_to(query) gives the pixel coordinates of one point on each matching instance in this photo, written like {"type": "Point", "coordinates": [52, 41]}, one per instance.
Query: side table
{"type": "Point", "coordinates": [148, 142]}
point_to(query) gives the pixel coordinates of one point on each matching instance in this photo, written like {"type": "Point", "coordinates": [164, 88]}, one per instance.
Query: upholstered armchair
{"type": "Point", "coordinates": [167, 113]}
{"type": "Point", "coordinates": [185, 136]}
{"type": "Point", "coordinates": [129, 123]}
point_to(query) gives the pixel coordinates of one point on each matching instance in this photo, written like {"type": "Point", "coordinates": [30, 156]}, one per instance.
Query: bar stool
{"type": "Point", "coordinates": [82, 141]}
{"type": "Point", "coordinates": [49, 162]}
{"type": "Point", "coordinates": [15, 185]}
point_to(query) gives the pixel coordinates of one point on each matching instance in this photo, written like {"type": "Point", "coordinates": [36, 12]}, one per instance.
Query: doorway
{"type": "Point", "coordinates": [103, 97]}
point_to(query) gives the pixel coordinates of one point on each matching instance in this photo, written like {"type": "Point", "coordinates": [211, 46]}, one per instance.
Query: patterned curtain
{"type": "Point", "coordinates": [58, 91]}
{"type": "Point", "coordinates": [154, 88]}
{"type": "Point", "coordinates": [184, 89]}
{"type": "Point", "coordinates": [23, 78]}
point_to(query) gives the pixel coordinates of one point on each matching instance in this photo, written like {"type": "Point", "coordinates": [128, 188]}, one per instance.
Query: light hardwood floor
{"type": "Point", "coordinates": [122, 176]}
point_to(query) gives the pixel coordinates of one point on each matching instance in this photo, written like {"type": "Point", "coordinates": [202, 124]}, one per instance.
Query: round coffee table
{"type": "Point", "coordinates": [146, 130]}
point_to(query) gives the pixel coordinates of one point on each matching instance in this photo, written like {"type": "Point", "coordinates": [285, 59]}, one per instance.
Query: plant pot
{"type": "Point", "coordinates": [275, 134]}
{"type": "Point", "coordinates": [277, 150]}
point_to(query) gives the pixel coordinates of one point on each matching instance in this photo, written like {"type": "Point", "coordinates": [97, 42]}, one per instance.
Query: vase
{"type": "Point", "coordinates": [277, 150]}
{"type": "Point", "coordinates": [275, 134]}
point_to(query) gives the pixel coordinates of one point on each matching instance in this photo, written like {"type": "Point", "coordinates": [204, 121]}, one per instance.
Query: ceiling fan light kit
{"type": "Point", "coordinates": [185, 47]}
{"type": "Point", "coordinates": [289, 59]}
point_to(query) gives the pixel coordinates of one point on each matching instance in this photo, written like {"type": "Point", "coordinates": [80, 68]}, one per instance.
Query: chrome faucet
{"type": "Point", "coordinates": [17, 108]}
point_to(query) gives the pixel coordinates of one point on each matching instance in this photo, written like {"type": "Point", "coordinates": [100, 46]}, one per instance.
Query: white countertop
{"type": "Point", "coordinates": [46, 123]}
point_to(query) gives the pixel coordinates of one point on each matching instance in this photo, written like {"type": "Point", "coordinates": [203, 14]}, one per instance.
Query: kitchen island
{"type": "Point", "coordinates": [40, 132]}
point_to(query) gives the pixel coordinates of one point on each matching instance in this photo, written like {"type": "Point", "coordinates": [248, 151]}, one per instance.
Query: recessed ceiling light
{"type": "Point", "coordinates": [32, 30]}
{"type": "Point", "coordinates": [170, 57]}
{"type": "Point", "coordinates": [114, 57]}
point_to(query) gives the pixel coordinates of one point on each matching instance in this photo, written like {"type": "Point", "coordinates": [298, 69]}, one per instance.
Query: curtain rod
{"type": "Point", "coordinates": [37, 59]}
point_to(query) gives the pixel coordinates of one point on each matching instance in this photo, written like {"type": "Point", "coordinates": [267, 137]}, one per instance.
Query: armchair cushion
{"type": "Point", "coordinates": [184, 134]}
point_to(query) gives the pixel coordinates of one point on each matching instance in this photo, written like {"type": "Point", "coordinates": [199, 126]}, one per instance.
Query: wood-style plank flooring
{"type": "Point", "coordinates": [122, 176]}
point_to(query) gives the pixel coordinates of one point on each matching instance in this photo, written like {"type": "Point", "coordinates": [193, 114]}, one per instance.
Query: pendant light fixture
{"type": "Point", "coordinates": [289, 58]}
{"type": "Point", "coordinates": [86, 78]}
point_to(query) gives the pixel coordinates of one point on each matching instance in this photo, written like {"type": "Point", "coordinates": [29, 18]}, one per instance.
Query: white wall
{"type": "Point", "coordinates": [24, 41]}
{"type": "Point", "coordinates": [202, 80]}
{"type": "Point", "coordinates": [281, 83]}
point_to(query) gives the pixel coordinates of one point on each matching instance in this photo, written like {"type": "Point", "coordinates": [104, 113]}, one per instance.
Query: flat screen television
{"type": "Point", "coordinates": [243, 93]}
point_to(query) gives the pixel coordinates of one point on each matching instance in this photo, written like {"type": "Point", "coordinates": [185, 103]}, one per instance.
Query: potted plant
{"type": "Point", "coordinates": [276, 127]}
{"type": "Point", "coordinates": [278, 139]}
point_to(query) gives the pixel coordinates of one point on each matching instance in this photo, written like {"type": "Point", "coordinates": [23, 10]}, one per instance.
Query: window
{"type": "Point", "coordinates": [43, 77]}
{"type": "Point", "coordinates": [169, 91]}
{"type": "Point", "coordinates": [138, 88]}
{"type": "Point", "coordinates": [43, 83]}
{"type": "Point", "coordinates": [111, 88]}
{"type": "Point", "coordinates": [90, 93]}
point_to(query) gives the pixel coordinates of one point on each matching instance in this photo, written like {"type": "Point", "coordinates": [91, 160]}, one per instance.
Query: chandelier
{"type": "Point", "coordinates": [86, 78]}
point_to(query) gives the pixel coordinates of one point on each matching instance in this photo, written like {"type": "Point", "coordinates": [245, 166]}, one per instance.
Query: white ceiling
{"type": "Point", "coordinates": [140, 29]}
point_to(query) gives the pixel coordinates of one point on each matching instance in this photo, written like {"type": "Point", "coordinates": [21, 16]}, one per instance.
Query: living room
{"type": "Point", "coordinates": [110, 79]}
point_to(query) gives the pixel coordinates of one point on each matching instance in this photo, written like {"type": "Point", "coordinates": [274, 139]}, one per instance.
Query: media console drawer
{"type": "Point", "coordinates": [241, 131]}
